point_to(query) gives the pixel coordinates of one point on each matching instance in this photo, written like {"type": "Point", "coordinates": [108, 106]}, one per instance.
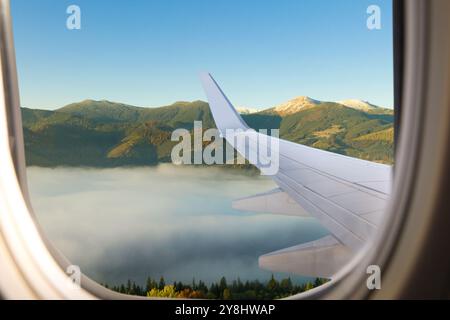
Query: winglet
{"type": "Point", "coordinates": [225, 115]}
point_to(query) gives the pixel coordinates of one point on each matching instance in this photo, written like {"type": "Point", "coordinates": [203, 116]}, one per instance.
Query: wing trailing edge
{"type": "Point", "coordinates": [275, 201]}
{"type": "Point", "coordinates": [321, 258]}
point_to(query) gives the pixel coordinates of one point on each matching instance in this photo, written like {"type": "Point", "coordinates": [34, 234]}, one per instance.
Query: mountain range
{"type": "Point", "coordinates": [108, 134]}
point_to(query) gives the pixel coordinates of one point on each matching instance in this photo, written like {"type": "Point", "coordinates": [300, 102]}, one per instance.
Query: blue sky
{"type": "Point", "coordinates": [149, 53]}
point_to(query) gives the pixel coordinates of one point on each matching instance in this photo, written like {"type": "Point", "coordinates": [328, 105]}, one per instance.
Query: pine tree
{"type": "Point", "coordinates": [202, 287]}
{"type": "Point", "coordinates": [286, 285]}
{"type": "Point", "coordinates": [162, 283]}
{"type": "Point", "coordinates": [272, 285]}
{"type": "Point", "coordinates": [151, 284]}
{"type": "Point", "coordinates": [223, 284]}
{"type": "Point", "coordinates": [128, 290]}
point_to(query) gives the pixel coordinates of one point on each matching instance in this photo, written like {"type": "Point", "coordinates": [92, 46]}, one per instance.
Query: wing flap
{"type": "Point", "coordinates": [321, 258]}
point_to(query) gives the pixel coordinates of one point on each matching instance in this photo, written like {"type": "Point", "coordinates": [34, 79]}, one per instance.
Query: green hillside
{"type": "Point", "coordinates": [108, 134]}
{"type": "Point", "coordinates": [339, 129]}
{"type": "Point", "coordinates": [179, 115]}
{"type": "Point", "coordinates": [103, 111]}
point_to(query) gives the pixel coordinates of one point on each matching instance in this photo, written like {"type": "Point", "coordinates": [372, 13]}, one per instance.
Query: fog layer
{"type": "Point", "coordinates": [176, 222]}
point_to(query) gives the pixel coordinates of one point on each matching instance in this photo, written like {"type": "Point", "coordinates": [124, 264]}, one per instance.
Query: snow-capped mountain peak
{"type": "Point", "coordinates": [358, 104]}
{"type": "Point", "coordinates": [295, 105]}
{"type": "Point", "coordinates": [245, 110]}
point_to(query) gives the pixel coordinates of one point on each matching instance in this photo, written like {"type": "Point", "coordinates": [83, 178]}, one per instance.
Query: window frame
{"type": "Point", "coordinates": [36, 269]}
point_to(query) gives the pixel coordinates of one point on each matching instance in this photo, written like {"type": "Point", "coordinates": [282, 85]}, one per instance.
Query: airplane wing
{"type": "Point", "coordinates": [347, 195]}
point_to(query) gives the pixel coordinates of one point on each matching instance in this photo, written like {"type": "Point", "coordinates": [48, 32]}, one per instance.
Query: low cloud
{"type": "Point", "coordinates": [130, 223]}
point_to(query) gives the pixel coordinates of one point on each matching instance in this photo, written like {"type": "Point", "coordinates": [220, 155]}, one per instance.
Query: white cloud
{"type": "Point", "coordinates": [177, 222]}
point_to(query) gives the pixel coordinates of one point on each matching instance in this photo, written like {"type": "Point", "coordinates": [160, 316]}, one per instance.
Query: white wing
{"type": "Point", "coordinates": [347, 195]}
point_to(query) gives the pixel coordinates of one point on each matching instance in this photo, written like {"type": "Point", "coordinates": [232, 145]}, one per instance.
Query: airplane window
{"type": "Point", "coordinates": [207, 149]}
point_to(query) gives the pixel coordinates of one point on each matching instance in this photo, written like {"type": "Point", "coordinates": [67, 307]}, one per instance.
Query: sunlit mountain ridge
{"type": "Point", "coordinates": [109, 134]}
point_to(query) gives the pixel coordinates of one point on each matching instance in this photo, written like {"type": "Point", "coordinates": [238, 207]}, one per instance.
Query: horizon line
{"type": "Point", "coordinates": [259, 109]}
